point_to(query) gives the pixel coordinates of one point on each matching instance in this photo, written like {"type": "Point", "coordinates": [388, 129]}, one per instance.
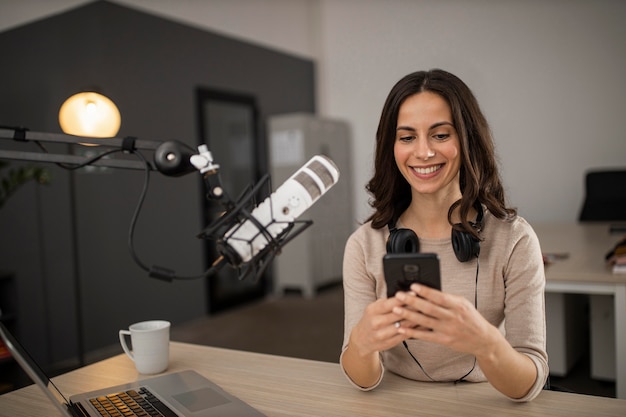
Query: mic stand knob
{"type": "Point", "coordinates": [203, 161]}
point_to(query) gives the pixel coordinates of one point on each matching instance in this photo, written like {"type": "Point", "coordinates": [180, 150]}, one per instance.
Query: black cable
{"type": "Point", "coordinates": [461, 379]}
{"type": "Point", "coordinates": [89, 161]}
{"type": "Point", "coordinates": [133, 221]}
{"type": "Point", "coordinates": [156, 271]}
{"type": "Point", "coordinates": [129, 147]}
{"type": "Point", "coordinates": [406, 346]}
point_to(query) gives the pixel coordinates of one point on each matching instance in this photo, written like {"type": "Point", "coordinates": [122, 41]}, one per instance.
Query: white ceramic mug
{"type": "Point", "coordinates": [150, 342]}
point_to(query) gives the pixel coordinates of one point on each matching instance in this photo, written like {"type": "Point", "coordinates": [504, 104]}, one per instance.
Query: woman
{"type": "Point", "coordinates": [436, 175]}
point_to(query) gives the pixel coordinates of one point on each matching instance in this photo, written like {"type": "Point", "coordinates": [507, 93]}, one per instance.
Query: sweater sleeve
{"type": "Point", "coordinates": [524, 308]}
{"type": "Point", "coordinates": [360, 286]}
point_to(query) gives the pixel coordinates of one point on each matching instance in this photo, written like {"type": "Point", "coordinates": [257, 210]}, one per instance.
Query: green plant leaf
{"type": "Point", "coordinates": [16, 177]}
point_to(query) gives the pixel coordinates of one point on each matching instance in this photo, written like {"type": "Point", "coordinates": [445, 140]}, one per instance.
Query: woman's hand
{"type": "Point", "coordinates": [447, 319]}
{"type": "Point", "coordinates": [453, 321]}
{"type": "Point", "coordinates": [378, 328]}
{"type": "Point", "coordinates": [376, 331]}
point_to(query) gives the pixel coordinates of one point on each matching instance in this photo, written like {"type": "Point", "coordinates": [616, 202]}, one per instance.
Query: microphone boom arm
{"type": "Point", "coordinates": [171, 158]}
{"type": "Point", "coordinates": [23, 135]}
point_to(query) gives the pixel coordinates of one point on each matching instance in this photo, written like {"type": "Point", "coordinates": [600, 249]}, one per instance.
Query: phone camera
{"type": "Point", "coordinates": [411, 271]}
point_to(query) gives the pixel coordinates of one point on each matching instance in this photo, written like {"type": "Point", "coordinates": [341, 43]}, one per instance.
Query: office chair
{"type": "Point", "coordinates": [605, 196]}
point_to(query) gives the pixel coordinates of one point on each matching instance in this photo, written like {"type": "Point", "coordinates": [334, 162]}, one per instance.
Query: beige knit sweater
{"type": "Point", "coordinates": [511, 285]}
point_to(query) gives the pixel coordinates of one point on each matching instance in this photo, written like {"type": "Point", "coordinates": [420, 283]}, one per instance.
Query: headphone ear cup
{"type": "Point", "coordinates": [465, 245]}
{"type": "Point", "coordinates": [402, 241]}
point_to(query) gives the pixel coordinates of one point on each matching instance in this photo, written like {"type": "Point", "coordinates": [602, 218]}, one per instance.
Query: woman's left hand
{"type": "Point", "coordinates": [443, 318]}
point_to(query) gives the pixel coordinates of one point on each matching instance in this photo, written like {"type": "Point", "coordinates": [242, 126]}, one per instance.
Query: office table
{"type": "Point", "coordinates": [282, 386]}
{"type": "Point", "coordinates": [585, 272]}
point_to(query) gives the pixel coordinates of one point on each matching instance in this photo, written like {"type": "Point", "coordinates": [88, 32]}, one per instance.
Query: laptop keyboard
{"type": "Point", "coordinates": [140, 402]}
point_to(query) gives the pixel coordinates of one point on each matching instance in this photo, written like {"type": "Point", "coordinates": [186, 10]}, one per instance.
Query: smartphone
{"type": "Point", "coordinates": [403, 269]}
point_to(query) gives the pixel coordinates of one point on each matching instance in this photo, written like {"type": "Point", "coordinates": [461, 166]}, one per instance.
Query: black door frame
{"type": "Point", "coordinates": [218, 299]}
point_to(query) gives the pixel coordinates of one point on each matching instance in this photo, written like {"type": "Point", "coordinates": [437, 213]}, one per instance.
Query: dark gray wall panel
{"type": "Point", "coordinates": [150, 67]}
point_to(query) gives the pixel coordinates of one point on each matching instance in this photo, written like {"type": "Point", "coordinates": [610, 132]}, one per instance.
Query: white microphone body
{"type": "Point", "coordinates": [245, 240]}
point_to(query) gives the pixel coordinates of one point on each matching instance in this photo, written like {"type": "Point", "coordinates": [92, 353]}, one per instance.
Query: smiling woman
{"type": "Point", "coordinates": [436, 178]}
{"type": "Point", "coordinates": [426, 149]}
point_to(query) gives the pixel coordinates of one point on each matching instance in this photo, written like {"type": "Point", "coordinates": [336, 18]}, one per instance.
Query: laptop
{"type": "Point", "coordinates": [180, 394]}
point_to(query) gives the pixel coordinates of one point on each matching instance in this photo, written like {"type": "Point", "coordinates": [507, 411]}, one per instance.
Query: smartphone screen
{"type": "Point", "coordinates": [403, 269]}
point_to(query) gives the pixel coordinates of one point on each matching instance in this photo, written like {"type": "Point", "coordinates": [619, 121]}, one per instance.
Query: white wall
{"type": "Point", "coordinates": [549, 74]}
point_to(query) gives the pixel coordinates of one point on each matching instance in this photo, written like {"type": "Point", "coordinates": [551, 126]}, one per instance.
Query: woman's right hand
{"type": "Point", "coordinates": [378, 328]}
{"type": "Point", "coordinates": [376, 331]}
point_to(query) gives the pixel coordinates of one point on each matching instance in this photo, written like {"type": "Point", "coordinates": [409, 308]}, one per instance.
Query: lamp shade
{"type": "Point", "coordinates": [90, 114]}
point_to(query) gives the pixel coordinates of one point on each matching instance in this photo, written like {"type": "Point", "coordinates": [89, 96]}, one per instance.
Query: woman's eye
{"type": "Point", "coordinates": [406, 138]}
{"type": "Point", "coordinates": [441, 136]}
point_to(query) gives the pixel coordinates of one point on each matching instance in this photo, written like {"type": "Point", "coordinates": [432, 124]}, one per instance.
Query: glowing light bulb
{"type": "Point", "coordinates": [90, 114]}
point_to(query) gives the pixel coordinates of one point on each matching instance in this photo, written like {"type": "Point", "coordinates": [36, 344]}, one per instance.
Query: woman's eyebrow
{"type": "Point", "coordinates": [435, 125]}
{"type": "Point", "coordinates": [409, 128]}
{"type": "Point", "coordinates": [443, 123]}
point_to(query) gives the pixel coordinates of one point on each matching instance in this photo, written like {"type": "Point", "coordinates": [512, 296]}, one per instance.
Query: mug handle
{"type": "Point", "coordinates": [123, 343]}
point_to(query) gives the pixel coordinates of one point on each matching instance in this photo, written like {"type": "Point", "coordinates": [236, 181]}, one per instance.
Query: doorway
{"type": "Point", "coordinates": [228, 123]}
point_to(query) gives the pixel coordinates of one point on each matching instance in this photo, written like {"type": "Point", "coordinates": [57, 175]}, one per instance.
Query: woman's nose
{"type": "Point", "coordinates": [423, 151]}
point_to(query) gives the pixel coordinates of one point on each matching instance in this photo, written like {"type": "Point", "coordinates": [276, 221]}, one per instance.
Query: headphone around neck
{"type": "Point", "coordinates": [464, 244]}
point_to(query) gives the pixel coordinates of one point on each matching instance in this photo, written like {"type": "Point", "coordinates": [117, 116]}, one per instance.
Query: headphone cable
{"type": "Point", "coordinates": [461, 379]}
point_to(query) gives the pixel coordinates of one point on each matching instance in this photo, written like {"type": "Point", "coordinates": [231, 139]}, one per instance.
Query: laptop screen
{"type": "Point", "coordinates": [33, 370]}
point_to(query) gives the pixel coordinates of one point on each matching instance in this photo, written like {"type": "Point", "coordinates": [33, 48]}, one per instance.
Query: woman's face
{"type": "Point", "coordinates": [426, 148]}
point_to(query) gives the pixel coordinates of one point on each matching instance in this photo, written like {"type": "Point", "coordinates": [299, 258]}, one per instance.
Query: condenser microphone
{"type": "Point", "coordinates": [277, 213]}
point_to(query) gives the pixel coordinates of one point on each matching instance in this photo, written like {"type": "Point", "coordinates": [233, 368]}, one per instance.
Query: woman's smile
{"type": "Point", "coordinates": [427, 150]}
{"type": "Point", "coordinates": [427, 171]}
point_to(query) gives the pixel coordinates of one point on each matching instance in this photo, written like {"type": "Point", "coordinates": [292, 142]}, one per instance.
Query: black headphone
{"type": "Point", "coordinates": [465, 245]}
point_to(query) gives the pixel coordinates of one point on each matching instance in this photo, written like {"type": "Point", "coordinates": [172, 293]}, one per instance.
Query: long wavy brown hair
{"type": "Point", "coordinates": [479, 178]}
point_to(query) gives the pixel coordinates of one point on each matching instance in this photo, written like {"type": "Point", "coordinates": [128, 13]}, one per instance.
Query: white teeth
{"type": "Point", "coordinates": [427, 170]}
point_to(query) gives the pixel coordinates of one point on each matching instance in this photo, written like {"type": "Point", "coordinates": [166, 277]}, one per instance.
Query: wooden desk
{"type": "Point", "coordinates": [585, 272]}
{"type": "Point", "coordinates": [281, 386]}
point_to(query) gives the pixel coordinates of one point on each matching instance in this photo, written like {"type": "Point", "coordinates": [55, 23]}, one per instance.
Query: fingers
{"type": "Point", "coordinates": [413, 304]}
{"type": "Point", "coordinates": [414, 319]}
{"type": "Point", "coordinates": [425, 307]}
{"type": "Point", "coordinates": [431, 294]}
{"type": "Point", "coordinates": [382, 323]}
{"type": "Point", "coordinates": [439, 317]}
